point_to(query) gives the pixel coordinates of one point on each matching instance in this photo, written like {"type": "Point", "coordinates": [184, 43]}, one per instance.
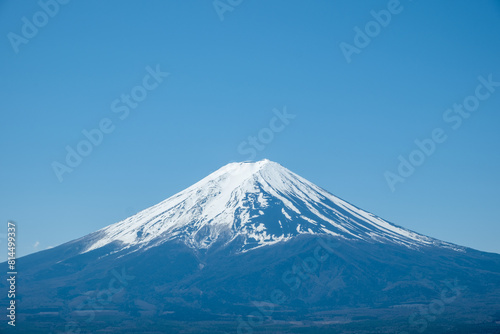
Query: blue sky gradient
{"type": "Point", "coordinates": [352, 120]}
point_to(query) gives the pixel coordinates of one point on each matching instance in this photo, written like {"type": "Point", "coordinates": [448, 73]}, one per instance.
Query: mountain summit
{"type": "Point", "coordinates": [252, 204]}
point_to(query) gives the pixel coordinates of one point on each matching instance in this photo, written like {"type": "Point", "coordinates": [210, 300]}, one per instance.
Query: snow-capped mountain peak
{"type": "Point", "coordinates": [254, 204]}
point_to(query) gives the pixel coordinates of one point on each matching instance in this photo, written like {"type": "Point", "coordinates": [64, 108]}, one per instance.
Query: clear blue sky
{"type": "Point", "coordinates": [352, 122]}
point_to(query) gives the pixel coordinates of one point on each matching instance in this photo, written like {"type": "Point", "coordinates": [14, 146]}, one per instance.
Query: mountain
{"type": "Point", "coordinates": [254, 247]}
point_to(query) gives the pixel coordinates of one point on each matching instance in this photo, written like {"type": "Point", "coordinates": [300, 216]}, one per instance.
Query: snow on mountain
{"type": "Point", "coordinates": [256, 204]}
